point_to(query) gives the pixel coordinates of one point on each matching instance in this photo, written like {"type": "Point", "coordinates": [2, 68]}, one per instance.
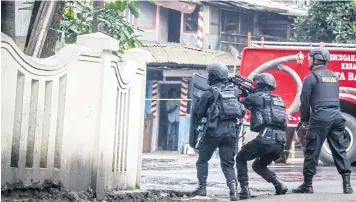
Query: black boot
{"type": "Point", "coordinates": [346, 184]}
{"type": "Point", "coordinates": [278, 185]}
{"type": "Point", "coordinates": [306, 187]}
{"type": "Point", "coordinates": [201, 190]}
{"type": "Point", "coordinates": [232, 193]}
{"type": "Point", "coordinates": [245, 191]}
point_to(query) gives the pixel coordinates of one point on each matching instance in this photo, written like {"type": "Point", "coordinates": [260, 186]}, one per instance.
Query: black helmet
{"type": "Point", "coordinates": [320, 54]}
{"type": "Point", "coordinates": [265, 79]}
{"type": "Point", "coordinates": [218, 71]}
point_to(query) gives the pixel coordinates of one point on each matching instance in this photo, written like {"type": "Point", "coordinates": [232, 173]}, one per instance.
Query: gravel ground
{"type": "Point", "coordinates": [171, 177]}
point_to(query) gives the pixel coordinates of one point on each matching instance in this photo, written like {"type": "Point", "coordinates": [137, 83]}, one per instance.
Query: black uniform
{"type": "Point", "coordinates": [223, 137]}
{"type": "Point", "coordinates": [220, 108]}
{"type": "Point", "coordinates": [321, 93]}
{"type": "Point", "coordinates": [268, 117]}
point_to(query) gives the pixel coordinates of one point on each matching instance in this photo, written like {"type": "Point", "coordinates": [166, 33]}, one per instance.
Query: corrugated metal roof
{"type": "Point", "coordinates": [174, 53]}
{"type": "Point", "coordinates": [290, 9]}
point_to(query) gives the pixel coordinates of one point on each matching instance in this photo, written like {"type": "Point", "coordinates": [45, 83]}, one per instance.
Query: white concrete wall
{"type": "Point", "coordinates": [74, 118]}
{"type": "Point", "coordinates": [213, 40]}
{"type": "Point", "coordinates": [163, 20]}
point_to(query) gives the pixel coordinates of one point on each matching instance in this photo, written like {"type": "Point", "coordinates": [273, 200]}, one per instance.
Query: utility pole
{"type": "Point", "coordinates": [49, 47]}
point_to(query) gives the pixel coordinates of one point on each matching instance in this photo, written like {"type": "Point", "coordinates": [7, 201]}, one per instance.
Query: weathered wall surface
{"type": "Point", "coordinates": [163, 20]}
{"type": "Point", "coordinates": [74, 118]}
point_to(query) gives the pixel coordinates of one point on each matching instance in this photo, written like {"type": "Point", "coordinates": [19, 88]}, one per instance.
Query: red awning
{"type": "Point", "coordinates": [176, 5]}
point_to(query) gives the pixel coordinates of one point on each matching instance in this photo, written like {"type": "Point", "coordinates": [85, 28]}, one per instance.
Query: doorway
{"type": "Point", "coordinates": [174, 24]}
{"type": "Point", "coordinates": [169, 115]}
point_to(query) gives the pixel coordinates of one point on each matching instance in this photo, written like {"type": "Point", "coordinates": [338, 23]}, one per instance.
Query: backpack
{"type": "Point", "coordinates": [228, 104]}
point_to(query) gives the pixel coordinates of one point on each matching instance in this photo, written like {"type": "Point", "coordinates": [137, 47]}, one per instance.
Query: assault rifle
{"type": "Point", "coordinates": [243, 83]}
{"type": "Point", "coordinates": [207, 122]}
{"type": "Point", "coordinates": [202, 128]}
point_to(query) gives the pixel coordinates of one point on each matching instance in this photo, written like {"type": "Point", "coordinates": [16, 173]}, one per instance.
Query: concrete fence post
{"type": "Point", "coordinates": [75, 118]}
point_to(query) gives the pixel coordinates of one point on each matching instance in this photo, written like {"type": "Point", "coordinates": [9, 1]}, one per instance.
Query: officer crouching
{"type": "Point", "coordinates": [219, 103]}
{"type": "Point", "coordinates": [268, 117]}
{"type": "Point", "coordinates": [320, 92]}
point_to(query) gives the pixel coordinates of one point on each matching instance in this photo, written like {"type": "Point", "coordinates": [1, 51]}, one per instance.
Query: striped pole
{"type": "Point", "coordinates": [200, 29]}
{"type": "Point", "coordinates": [154, 98]}
{"type": "Point", "coordinates": [184, 96]}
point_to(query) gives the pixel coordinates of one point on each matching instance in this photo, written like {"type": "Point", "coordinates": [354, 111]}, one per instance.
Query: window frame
{"type": "Point", "coordinates": [184, 22]}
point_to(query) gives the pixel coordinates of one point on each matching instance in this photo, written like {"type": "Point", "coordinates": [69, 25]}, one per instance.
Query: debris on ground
{"type": "Point", "coordinates": [46, 194]}
{"type": "Point", "coordinates": [56, 194]}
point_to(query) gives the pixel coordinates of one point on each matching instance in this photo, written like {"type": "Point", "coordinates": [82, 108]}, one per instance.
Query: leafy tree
{"type": "Point", "coordinates": [328, 21]}
{"type": "Point", "coordinates": [78, 19]}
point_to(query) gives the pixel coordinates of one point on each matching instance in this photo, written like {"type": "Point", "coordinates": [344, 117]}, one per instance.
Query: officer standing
{"type": "Point", "coordinates": [222, 101]}
{"type": "Point", "coordinates": [321, 93]}
{"type": "Point", "coordinates": [268, 117]}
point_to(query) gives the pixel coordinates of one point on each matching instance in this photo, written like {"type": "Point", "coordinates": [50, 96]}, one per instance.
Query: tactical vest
{"type": "Point", "coordinates": [228, 104]}
{"type": "Point", "coordinates": [272, 113]}
{"type": "Point", "coordinates": [326, 90]}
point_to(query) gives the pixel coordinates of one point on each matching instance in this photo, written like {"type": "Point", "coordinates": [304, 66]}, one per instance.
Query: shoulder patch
{"type": "Point", "coordinates": [327, 79]}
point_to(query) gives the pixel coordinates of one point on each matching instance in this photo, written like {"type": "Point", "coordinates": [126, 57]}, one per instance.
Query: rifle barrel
{"type": "Point", "coordinates": [243, 78]}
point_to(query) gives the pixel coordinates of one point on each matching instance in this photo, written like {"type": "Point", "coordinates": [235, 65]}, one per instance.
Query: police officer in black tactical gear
{"type": "Point", "coordinates": [321, 93]}
{"type": "Point", "coordinates": [269, 119]}
{"type": "Point", "coordinates": [222, 99]}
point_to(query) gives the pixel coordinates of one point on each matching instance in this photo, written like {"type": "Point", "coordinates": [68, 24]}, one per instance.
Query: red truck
{"type": "Point", "coordinates": [285, 61]}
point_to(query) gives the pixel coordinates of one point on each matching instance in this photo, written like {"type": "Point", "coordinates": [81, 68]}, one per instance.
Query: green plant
{"type": "Point", "coordinates": [328, 21]}
{"type": "Point", "coordinates": [78, 19]}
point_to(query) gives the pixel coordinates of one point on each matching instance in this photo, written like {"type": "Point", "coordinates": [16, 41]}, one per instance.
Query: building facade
{"type": "Point", "coordinates": [223, 22]}
{"type": "Point", "coordinates": [171, 30]}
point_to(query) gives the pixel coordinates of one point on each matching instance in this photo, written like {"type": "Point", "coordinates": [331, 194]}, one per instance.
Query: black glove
{"type": "Point", "coordinates": [302, 125]}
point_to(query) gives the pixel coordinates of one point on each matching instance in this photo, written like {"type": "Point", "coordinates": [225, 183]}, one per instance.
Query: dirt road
{"type": "Point", "coordinates": [177, 172]}
{"type": "Point", "coordinates": [170, 177]}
